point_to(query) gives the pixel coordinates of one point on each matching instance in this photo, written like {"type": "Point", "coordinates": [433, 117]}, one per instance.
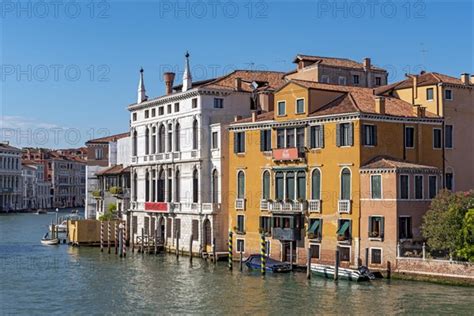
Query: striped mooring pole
{"type": "Point", "coordinates": [108, 236]}
{"type": "Point", "coordinates": [230, 250]}
{"type": "Point", "coordinates": [262, 255]}
{"type": "Point", "coordinates": [101, 236]}
{"type": "Point", "coordinates": [124, 242]}
{"type": "Point", "coordinates": [116, 243]}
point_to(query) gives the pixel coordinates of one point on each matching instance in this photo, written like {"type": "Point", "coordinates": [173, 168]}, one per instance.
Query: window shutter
{"type": "Point", "coordinates": [370, 225]}
{"type": "Point", "coordinates": [363, 133]}
{"type": "Point", "coordinates": [242, 139]}
{"type": "Point", "coordinates": [321, 136]}
{"type": "Point", "coordinates": [382, 219]}
{"type": "Point", "coordinates": [375, 135]}
{"type": "Point", "coordinates": [262, 140]}
{"type": "Point", "coordinates": [338, 135]}
{"type": "Point", "coordinates": [309, 136]}
{"type": "Point", "coordinates": [236, 142]}
{"type": "Point", "coordinates": [351, 134]}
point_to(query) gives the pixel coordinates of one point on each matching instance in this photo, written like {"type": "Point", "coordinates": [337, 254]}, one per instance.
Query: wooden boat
{"type": "Point", "coordinates": [271, 265]}
{"type": "Point", "coordinates": [49, 241]}
{"type": "Point", "coordinates": [363, 274]}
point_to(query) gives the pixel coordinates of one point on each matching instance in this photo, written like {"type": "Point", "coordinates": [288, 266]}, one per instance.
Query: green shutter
{"type": "Point", "coordinates": [321, 136]}
{"type": "Point", "coordinates": [316, 185]}
{"type": "Point", "coordinates": [351, 134]}
{"type": "Point", "coordinates": [343, 228]}
{"type": "Point", "coordinates": [236, 143]}
{"type": "Point", "coordinates": [375, 135]}
{"type": "Point", "coordinates": [338, 135]}
{"type": "Point", "coordinates": [314, 227]}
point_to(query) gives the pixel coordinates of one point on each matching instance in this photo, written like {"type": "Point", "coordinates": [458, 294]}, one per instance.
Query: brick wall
{"type": "Point", "coordinates": [441, 268]}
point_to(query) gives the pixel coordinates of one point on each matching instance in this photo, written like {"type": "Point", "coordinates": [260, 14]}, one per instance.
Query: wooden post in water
{"type": "Point", "coordinates": [336, 270]}
{"type": "Point", "coordinates": [214, 250]}
{"type": "Point", "coordinates": [52, 229]}
{"type": "Point", "coordinates": [308, 266]}
{"type": "Point", "coordinates": [191, 248]}
{"type": "Point", "coordinates": [120, 241]}
{"type": "Point", "coordinates": [230, 251]}
{"type": "Point", "coordinates": [367, 257]}
{"type": "Point", "coordinates": [101, 236]}
{"type": "Point", "coordinates": [108, 236]}
{"type": "Point", "coordinates": [241, 260]}
{"type": "Point", "coordinates": [124, 241]}
{"type": "Point", "coordinates": [156, 241]}
{"type": "Point", "coordinates": [177, 243]}
{"type": "Point", "coordinates": [142, 247]}
{"type": "Point", "coordinates": [116, 237]}
{"type": "Point", "coordinates": [263, 262]}
{"type": "Point", "coordinates": [389, 270]}
{"type": "Point", "coordinates": [132, 239]}
{"type": "Point", "coordinates": [291, 255]}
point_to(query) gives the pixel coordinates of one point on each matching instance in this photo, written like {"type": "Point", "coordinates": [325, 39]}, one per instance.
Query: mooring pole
{"type": "Point", "coordinates": [214, 250]}
{"type": "Point", "coordinates": [120, 241]}
{"type": "Point", "coordinates": [116, 237]}
{"type": "Point", "coordinates": [308, 266]}
{"type": "Point", "coordinates": [336, 272]}
{"type": "Point", "coordinates": [124, 242]}
{"type": "Point", "coordinates": [230, 251]}
{"type": "Point", "coordinates": [191, 248]}
{"type": "Point", "coordinates": [367, 257]}
{"type": "Point", "coordinates": [291, 255]}
{"type": "Point", "coordinates": [101, 236]}
{"type": "Point", "coordinates": [143, 241]}
{"type": "Point", "coordinates": [177, 244]}
{"type": "Point", "coordinates": [262, 255]}
{"type": "Point", "coordinates": [156, 241]}
{"type": "Point", "coordinates": [241, 260]}
{"type": "Point", "coordinates": [108, 236]}
{"type": "Point", "coordinates": [389, 269]}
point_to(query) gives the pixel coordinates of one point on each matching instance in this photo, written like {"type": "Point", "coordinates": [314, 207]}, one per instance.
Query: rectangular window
{"type": "Point", "coordinates": [404, 227]}
{"type": "Point", "coordinates": [436, 138]}
{"type": "Point", "coordinates": [266, 224]}
{"type": "Point", "coordinates": [300, 106]}
{"type": "Point", "coordinates": [419, 187]}
{"type": "Point", "coordinates": [370, 135]}
{"type": "Point", "coordinates": [240, 224]}
{"type": "Point", "coordinates": [195, 229]}
{"type": "Point", "coordinates": [315, 228]}
{"type": "Point", "coordinates": [449, 181]}
{"type": "Point", "coordinates": [317, 136]}
{"type": "Point", "coordinates": [448, 136]}
{"type": "Point", "coordinates": [290, 138]}
{"type": "Point", "coordinates": [169, 108]}
{"type": "Point", "coordinates": [215, 144]}
{"type": "Point", "coordinates": [375, 255]}
{"type": "Point", "coordinates": [177, 227]}
{"type": "Point", "coordinates": [194, 103]}
{"type": "Point", "coordinates": [448, 94]}
{"type": "Point", "coordinates": [344, 134]}
{"type": "Point", "coordinates": [161, 110]}
{"type": "Point", "coordinates": [404, 189]}
{"type": "Point", "coordinates": [376, 186]}
{"type": "Point", "coordinates": [239, 142]}
{"type": "Point", "coordinates": [280, 138]}
{"type": "Point", "coordinates": [153, 112]}
{"type": "Point", "coordinates": [433, 186]}
{"type": "Point", "coordinates": [99, 153]}
{"type": "Point", "coordinates": [218, 103]}
{"type": "Point", "coordinates": [355, 79]}
{"type": "Point", "coordinates": [376, 226]}
{"type": "Point", "coordinates": [300, 137]}
{"type": "Point", "coordinates": [146, 114]}
{"type": "Point", "coordinates": [240, 245]}
{"type": "Point", "coordinates": [168, 227]}
{"type": "Point", "coordinates": [429, 94]}
{"type": "Point", "coordinates": [344, 254]}
{"type": "Point", "coordinates": [267, 248]}
{"type": "Point", "coordinates": [176, 107]}
{"type": "Point", "coordinates": [134, 117]}
{"type": "Point", "coordinates": [325, 79]}
{"type": "Point", "coordinates": [409, 137]}
{"type": "Point", "coordinates": [314, 251]}
{"type": "Point", "coordinates": [281, 108]}
{"type": "Point", "coordinates": [344, 231]}
{"type": "Point", "coordinates": [378, 81]}
{"type": "Point", "coordinates": [266, 140]}
{"type": "Point", "coordinates": [342, 81]}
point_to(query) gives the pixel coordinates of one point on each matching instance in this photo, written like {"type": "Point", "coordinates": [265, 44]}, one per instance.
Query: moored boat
{"type": "Point", "coordinates": [271, 265]}
{"type": "Point", "coordinates": [363, 274]}
{"type": "Point", "coordinates": [49, 241]}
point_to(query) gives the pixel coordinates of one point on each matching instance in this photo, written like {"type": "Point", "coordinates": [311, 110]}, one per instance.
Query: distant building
{"type": "Point", "coordinates": [10, 178]}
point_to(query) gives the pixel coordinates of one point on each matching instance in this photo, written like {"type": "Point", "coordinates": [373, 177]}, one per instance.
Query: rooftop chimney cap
{"type": "Point", "coordinates": [367, 63]}
{"type": "Point", "coordinates": [465, 78]}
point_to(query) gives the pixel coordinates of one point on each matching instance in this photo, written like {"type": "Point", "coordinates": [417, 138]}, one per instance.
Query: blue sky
{"type": "Point", "coordinates": [70, 68]}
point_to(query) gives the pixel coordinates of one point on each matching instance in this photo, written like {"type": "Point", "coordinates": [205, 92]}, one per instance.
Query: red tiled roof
{"type": "Point", "coordinates": [265, 79]}
{"type": "Point", "coordinates": [334, 61]}
{"type": "Point", "coordinates": [424, 79]}
{"type": "Point", "coordinates": [108, 139]}
{"type": "Point", "coordinates": [383, 162]}
{"type": "Point", "coordinates": [265, 116]}
{"type": "Point", "coordinates": [114, 170]}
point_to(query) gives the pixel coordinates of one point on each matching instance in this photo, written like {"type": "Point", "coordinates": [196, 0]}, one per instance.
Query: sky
{"type": "Point", "coordinates": [70, 68]}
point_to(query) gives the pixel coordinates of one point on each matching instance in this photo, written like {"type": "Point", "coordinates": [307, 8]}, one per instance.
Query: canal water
{"type": "Point", "coordinates": [37, 279]}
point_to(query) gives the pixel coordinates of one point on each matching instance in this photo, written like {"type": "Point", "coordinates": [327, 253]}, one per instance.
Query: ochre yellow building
{"type": "Point", "coordinates": [295, 172]}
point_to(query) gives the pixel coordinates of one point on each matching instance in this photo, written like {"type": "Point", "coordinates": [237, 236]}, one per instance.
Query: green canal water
{"type": "Point", "coordinates": [38, 280]}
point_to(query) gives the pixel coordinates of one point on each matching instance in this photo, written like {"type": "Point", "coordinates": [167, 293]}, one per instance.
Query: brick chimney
{"type": "Point", "coordinates": [465, 78]}
{"type": "Point", "coordinates": [415, 86]}
{"type": "Point", "coordinates": [380, 105]}
{"type": "Point", "coordinates": [168, 77]}
{"type": "Point", "coordinates": [238, 84]}
{"type": "Point", "coordinates": [367, 64]}
{"type": "Point", "coordinates": [254, 116]}
{"type": "Point", "coordinates": [472, 80]}
{"type": "Point", "coordinates": [420, 111]}
{"type": "Point", "coordinates": [237, 118]}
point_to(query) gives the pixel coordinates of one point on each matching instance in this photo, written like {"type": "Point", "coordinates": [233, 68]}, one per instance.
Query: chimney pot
{"type": "Point", "coordinates": [420, 110]}
{"type": "Point", "coordinates": [254, 116]}
{"type": "Point", "coordinates": [367, 63]}
{"type": "Point", "coordinates": [465, 78]}
{"type": "Point", "coordinates": [238, 84]}
{"type": "Point", "coordinates": [472, 80]}
{"type": "Point", "coordinates": [237, 118]}
{"type": "Point", "coordinates": [169, 79]}
{"type": "Point", "coordinates": [380, 105]}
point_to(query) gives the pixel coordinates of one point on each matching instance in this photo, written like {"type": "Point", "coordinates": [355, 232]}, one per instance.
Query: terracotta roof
{"type": "Point", "coordinates": [384, 162]}
{"type": "Point", "coordinates": [334, 61]}
{"type": "Point", "coordinates": [114, 170]}
{"type": "Point", "coordinates": [358, 99]}
{"type": "Point", "coordinates": [9, 147]}
{"type": "Point", "coordinates": [108, 139]}
{"type": "Point", "coordinates": [265, 80]}
{"type": "Point", "coordinates": [265, 116]}
{"type": "Point", "coordinates": [195, 84]}
{"type": "Point", "coordinates": [424, 79]}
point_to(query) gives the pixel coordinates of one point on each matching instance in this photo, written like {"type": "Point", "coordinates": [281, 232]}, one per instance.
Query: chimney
{"type": "Point", "coordinates": [168, 77]}
{"type": "Point", "coordinates": [465, 78]}
{"type": "Point", "coordinates": [367, 64]}
{"type": "Point", "coordinates": [237, 118]}
{"type": "Point", "coordinates": [415, 87]}
{"type": "Point", "coordinates": [238, 84]}
{"type": "Point", "coordinates": [472, 80]}
{"type": "Point", "coordinates": [254, 116]}
{"type": "Point", "coordinates": [380, 105]}
{"type": "Point", "coordinates": [420, 110]}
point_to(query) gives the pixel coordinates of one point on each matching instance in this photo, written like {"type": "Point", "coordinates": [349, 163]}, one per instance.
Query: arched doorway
{"type": "Point", "coordinates": [161, 229]}
{"type": "Point", "coordinates": [207, 234]}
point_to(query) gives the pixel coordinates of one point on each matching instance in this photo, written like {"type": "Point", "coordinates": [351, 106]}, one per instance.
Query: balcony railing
{"type": "Point", "coordinates": [288, 154]}
{"type": "Point", "coordinates": [264, 205]}
{"type": "Point", "coordinates": [314, 206]}
{"type": "Point", "coordinates": [210, 208]}
{"type": "Point", "coordinates": [344, 206]}
{"type": "Point", "coordinates": [240, 204]}
{"type": "Point", "coordinates": [288, 206]}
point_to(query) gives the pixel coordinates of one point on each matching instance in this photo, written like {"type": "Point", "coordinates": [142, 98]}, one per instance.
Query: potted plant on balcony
{"type": "Point", "coordinates": [341, 238]}
{"type": "Point", "coordinates": [374, 235]}
{"type": "Point", "coordinates": [97, 193]}
{"type": "Point", "coordinates": [116, 190]}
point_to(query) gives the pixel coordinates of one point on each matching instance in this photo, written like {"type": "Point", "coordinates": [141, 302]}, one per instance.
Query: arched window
{"type": "Point", "coordinates": [153, 185]}
{"type": "Point", "coordinates": [345, 184]}
{"type": "Point", "coordinates": [134, 143]}
{"type": "Point", "coordinates": [177, 194]}
{"type": "Point", "coordinates": [170, 185]}
{"type": "Point", "coordinates": [290, 185]}
{"type": "Point", "coordinates": [316, 185]}
{"type": "Point", "coordinates": [301, 185]}
{"type": "Point", "coordinates": [147, 141]}
{"type": "Point", "coordinates": [170, 137]}
{"type": "Point", "coordinates": [195, 134]}
{"type": "Point", "coordinates": [195, 186]}
{"type": "Point", "coordinates": [215, 187]}
{"type": "Point", "coordinates": [177, 137]}
{"type": "Point", "coordinates": [147, 186]}
{"type": "Point", "coordinates": [240, 185]}
{"type": "Point", "coordinates": [279, 186]}
{"type": "Point", "coordinates": [153, 140]}
{"type": "Point", "coordinates": [161, 186]}
{"type": "Point", "coordinates": [266, 185]}
{"type": "Point", "coordinates": [161, 139]}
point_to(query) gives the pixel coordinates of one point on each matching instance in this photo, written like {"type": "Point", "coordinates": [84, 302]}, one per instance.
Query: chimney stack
{"type": "Point", "coordinates": [254, 116]}
{"type": "Point", "coordinates": [237, 118]}
{"type": "Point", "coordinates": [380, 105]}
{"type": "Point", "coordinates": [168, 77]}
{"type": "Point", "coordinates": [415, 87]}
{"type": "Point", "coordinates": [472, 80]}
{"type": "Point", "coordinates": [367, 64]}
{"type": "Point", "coordinates": [238, 84]}
{"type": "Point", "coordinates": [420, 110]}
{"type": "Point", "coordinates": [465, 78]}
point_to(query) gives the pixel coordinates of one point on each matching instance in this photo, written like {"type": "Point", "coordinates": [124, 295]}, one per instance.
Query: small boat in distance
{"type": "Point", "coordinates": [362, 274]}
{"type": "Point", "coordinates": [49, 241]}
{"type": "Point", "coordinates": [62, 228]}
{"type": "Point", "coordinates": [41, 211]}
{"type": "Point", "coordinates": [271, 265]}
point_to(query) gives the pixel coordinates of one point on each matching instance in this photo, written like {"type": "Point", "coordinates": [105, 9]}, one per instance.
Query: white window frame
{"type": "Point", "coordinates": [381, 186]}
{"type": "Point", "coordinates": [296, 106]}
{"type": "Point", "coordinates": [350, 252]}
{"type": "Point", "coordinates": [278, 107]}
{"type": "Point", "coordinates": [237, 223]}
{"type": "Point", "coordinates": [319, 249]}
{"type": "Point", "coordinates": [343, 79]}
{"type": "Point", "coordinates": [363, 126]}
{"type": "Point", "coordinates": [212, 140]}
{"type": "Point", "coordinates": [237, 245]}
{"type": "Point", "coordinates": [381, 255]}
{"type": "Point", "coordinates": [358, 79]}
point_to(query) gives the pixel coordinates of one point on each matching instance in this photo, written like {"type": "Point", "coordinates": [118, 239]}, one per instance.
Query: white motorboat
{"type": "Point", "coordinates": [62, 228]}
{"type": "Point", "coordinates": [49, 241]}
{"type": "Point", "coordinates": [363, 274]}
